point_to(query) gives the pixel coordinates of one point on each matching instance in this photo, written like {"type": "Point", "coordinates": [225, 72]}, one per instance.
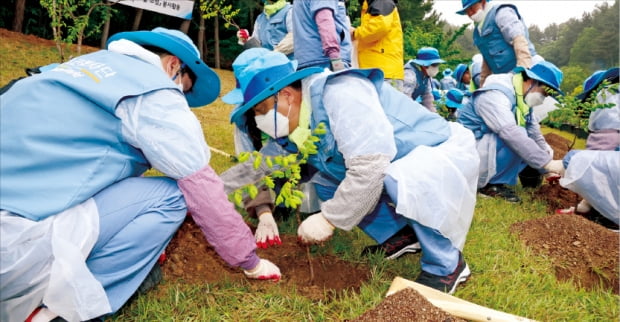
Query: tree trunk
{"type": "Point", "coordinates": [185, 26]}
{"type": "Point", "coordinates": [105, 33]}
{"type": "Point", "coordinates": [136, 21]}
{"type": "Point", "coordinates": [202, 46]}
{"type": "Point", "coordinates": [216, 38]}
{"type": "Point", "coordinates": [18, 21]}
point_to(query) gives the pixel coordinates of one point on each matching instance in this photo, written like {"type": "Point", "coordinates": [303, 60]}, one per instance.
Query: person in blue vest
{"type": "Point", "coordinates": [418, 75]}
{"type": "Point", "coordinates": [322, 36]}
{"type": "Point", "coordinates": [447, 81]}
{"type": "Point", "coordinates": [594, 173]}
{"type": "Point", "coordinates": [500, 35]}
{"type": "Point", "coordinates": [273, 28]}
{"type": "Point", "coordinates": [508, 136]}
{"type": "Point", "coordinates": [80, 227]}
{"type": "Point", "coordinates": [455, 98]}
{"type": "Point", "coordinates": [401, 173]}
{"type": "Point", "coordinates": [462, 75]}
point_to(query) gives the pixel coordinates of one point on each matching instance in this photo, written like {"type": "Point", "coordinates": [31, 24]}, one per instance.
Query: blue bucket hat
{"type": "Point", "coordinates": [447, 72]}
{"type": "Point", "coordinates": [459, 71]}
{"type": "Point", "coordinates": [261, 73]}
{"type": "Point", "coordinates": [454, 98]}
{"type": "Point", "coordinates": [544, 72]}
{"type": "Point", "coordinates": [427, 56]}
{"type": "Point", "coordinates": [592, 82]}
{"type": "Point", "coordinates": [206, 88]}
{"type": "Point", "coordinates": [467, 4]}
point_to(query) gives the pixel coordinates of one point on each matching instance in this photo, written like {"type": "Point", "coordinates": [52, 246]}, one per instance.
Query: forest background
{"type": "Point", "coordinates": [578, 46]}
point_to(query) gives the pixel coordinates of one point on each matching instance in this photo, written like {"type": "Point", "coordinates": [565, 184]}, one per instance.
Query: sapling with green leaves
{"type": "Point", "coordinates": [287, 167]}
{"type": "Point", "coordinates": [571, 110]}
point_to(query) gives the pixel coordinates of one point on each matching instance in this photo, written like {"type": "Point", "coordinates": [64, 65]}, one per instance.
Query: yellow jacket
{"type": "Point", "coordinates": [380, 38]}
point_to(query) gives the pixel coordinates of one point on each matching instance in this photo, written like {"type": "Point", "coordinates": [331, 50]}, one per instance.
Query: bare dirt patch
{"type": "Point", "coordinates": [192, 259]}
{"type": "Point", "coordinates": [581, 250]}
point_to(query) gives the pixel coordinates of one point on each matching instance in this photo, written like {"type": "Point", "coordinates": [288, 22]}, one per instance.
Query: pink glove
{"type": "Point", "coordinates": [265, 270]}
{"type": "Point", "coordinates": [315, 229]}
{"type": "Point", "coordinates": [267, 231]}
{"type": "Point", "coordinates": [242, 36]}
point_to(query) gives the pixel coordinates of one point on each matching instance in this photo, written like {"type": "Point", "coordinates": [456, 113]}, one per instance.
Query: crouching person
{"type": "Point", "coordinates": [401, 173]}
{"type": "Point", "coordinates": [80, 227]}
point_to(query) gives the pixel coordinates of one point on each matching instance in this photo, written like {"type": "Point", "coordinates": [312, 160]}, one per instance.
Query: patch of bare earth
{"type": "Point", "coordinates": [581, 250]}
{"type": "Point", "coordinates": [191, 259]}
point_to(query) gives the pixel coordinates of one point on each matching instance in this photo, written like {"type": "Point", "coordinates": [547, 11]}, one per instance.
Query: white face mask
{"type": "Point", "coordinates": [478, 16]}
{"type": "Point", "coordinates": [432, 71]}
{"type": "Point", "coordinates": [267, 123]}
{"type": "Point", "coordinates": [534, 99]}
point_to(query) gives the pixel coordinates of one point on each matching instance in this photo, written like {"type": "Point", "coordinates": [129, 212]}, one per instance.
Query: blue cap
{"type": "Point", "coordinates": [467, 4]}
{"type": "Point", "coordinates": [261, 73]}
{"type": "Point", "coordinates": [459, 71]}
{"type": "Point", "coordinates": [454, 98]}
{"type": "Point", "coordinates": [544, 72]}
{"type": "Point", "coordinates": [592, 82]}
{"type": "Point", "coordinates": [427, 56]}
{"type": "Point", "coordinates": [447, 72]}
{"type": "Point", "coordinates": [206, 88]}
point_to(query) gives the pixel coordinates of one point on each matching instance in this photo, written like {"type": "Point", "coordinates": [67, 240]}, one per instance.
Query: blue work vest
{"type": "Point", "coordinates": [421, 78]}
{"type": "Point", "coordinates": [413, 124]}
{"type": "Point", "coordinates": [272, 30]}
{"type": "Point", "coordinates": [470, 119]}
{"type": "Point", "coordinates": [60, 140]}
{"type": "Point", "coordinates": [498, 54]}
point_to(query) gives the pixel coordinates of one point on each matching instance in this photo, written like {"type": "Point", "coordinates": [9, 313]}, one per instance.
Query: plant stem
{"type": "Point", "coordinates": [307, 249]}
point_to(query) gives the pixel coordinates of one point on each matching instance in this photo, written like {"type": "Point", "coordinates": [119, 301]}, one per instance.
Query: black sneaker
{"type": "Point", "coordinates": [404, 241]}
{"type": "Point", "coordinates": [446, 284]}
{"type": "Point", "coordinates": [499, 190]}
{"type": "Point", "coordinates": [151, 280]}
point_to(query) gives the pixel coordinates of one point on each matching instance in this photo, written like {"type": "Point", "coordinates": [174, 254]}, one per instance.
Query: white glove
{"type": "Point", "coordinates": [315, 229]}
{"type": "Point", "coordinates": [549, 150]}
{"type": "Point", "coordinates": [583, 207]}
{"type": "Point", "coordinates": [555, 166]}
{"type": "Point", "coordinates": [265, 270]}
{"type": "Point", "coordinates": [267, 231]}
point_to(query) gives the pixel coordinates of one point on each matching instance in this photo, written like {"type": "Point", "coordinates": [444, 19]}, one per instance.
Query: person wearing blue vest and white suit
{"type": "Point", "coordinates": [322, 36]}
{"type": "Point", "coordinates": [501, 36]}
{"type": "Point", "coordinates": [419, 73]}
{"type": "Point", "coordinates": [594, 173]}
{"type": "Point", "coordinates": [508, 135]}
{"type": "Point", "coordinates": [386, 164]}
{"type": "Point", "coordinates": [447, 81]}
{"type": "Point", "coordinates": [81, 228]}
{"type": "Point", "coordinates": [273, 28]}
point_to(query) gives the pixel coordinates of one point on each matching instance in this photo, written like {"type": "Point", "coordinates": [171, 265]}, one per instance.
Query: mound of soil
{"type": "Point", "coordinates": [406, 305]}
{"type": "Point", "coordinates": [581, 250]}
{"type": "Point", "coordinates": [192, 259]}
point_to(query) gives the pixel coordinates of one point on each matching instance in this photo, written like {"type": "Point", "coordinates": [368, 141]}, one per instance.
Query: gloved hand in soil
{"type": "Point", "coordinates": [315, 229]}
{"type": "Point", "coordinates": [555, 166]}
{"type": "Point", "coordinates": [267, 231]}
{"type": "Point", "coordinates": [265, 270]}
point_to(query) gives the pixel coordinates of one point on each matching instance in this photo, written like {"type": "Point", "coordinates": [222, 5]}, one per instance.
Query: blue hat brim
{"type": "Point", "coordinates": [237, 113]}
{"type": "Point", "coordinates": [609, 74]}
{"type": "Point", "coordinates": [428, 62]}
{"type": "Point", "coordinates": [531, 75]}
{"type": "Point", "coordinates": [452, 104]}
{"type": "Point", "coordinates": [205, 89]}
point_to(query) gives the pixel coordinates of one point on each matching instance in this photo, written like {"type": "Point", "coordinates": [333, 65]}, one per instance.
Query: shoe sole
{"type": "Point", "coordinates": [497, 196]}
{"type": "Point", "coordinates": [461, 278]}
{"type": "Point", "coordinates": [413, 248]}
